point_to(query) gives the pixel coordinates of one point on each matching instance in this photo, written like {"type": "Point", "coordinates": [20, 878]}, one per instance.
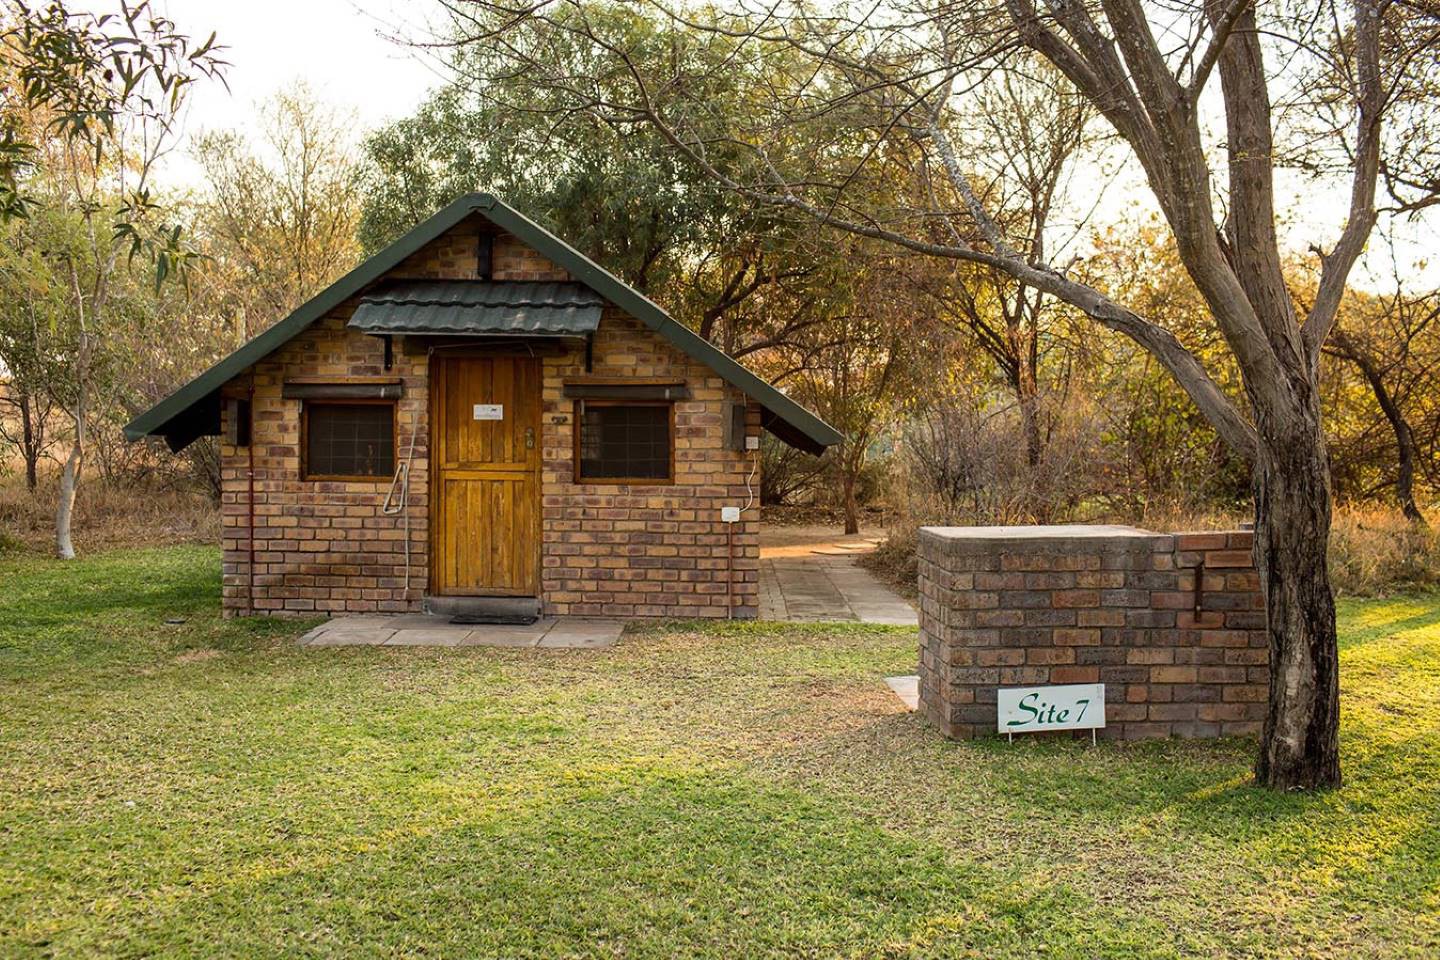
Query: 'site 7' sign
{"type": "Point", "coordinates": [1078, 706]}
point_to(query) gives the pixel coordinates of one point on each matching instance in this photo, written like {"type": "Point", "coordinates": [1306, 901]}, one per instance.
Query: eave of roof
{"type": "Point", "coordinates": [178, 412]}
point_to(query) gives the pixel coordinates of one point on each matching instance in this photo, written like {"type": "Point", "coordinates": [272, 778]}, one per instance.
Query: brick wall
{"type": "Point", "coordinates": [650, 550]}
{"type": "Point", "coordinates": [1172, 624]}
{"type": "Point", "coordinates": [607, 549]}
{"type": "Point", "coordinates": [321, 546]}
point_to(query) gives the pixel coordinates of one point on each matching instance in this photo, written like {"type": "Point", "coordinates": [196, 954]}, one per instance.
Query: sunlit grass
{"type": "Point", "coordinates": [732, 790]}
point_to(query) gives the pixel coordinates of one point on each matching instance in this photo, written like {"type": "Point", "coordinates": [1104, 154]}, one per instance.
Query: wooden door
{"type": "Point", "coordinates": [485, 476]}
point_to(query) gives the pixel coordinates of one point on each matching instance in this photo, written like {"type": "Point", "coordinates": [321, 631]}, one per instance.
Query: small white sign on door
{"type": "Point", "coordinates": [1077, 706]}
{"type": "Point", "coordinates": [489, 411]}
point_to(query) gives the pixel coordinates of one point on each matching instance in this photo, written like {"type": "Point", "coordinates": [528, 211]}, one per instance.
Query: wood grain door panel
{"type": "Point", "coordinates": [485, 476]}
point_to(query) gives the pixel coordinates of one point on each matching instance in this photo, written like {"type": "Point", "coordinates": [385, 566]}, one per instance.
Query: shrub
{"type": "Point", "coordinates": [1375, 552]}
{"type": "Point", "coordinates": [965, 459]}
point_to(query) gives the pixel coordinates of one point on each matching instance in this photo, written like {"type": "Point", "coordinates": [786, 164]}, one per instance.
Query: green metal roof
{"type": "Point", "coordinates": [194, 409]}
{"type": "Point", "coordinates": [474, 307]}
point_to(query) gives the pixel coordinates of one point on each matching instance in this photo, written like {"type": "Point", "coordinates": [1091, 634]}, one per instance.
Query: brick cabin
{"type": "Point", "coordinates": [480, 415]}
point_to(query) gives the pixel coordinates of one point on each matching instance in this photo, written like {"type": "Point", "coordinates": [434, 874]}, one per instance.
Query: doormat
{"type": "Point", "coordinates": [497, 619]}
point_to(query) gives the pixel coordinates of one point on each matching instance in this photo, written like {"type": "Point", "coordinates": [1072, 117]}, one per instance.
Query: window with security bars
{"type": "Point", "coordinates": [349, 440]}
{"type": "Point", "coordinates": [620, 441]}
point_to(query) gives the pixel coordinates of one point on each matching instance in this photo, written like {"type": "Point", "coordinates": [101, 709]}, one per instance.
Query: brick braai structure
{"type": "Point", "coordinates": [1172, 624]}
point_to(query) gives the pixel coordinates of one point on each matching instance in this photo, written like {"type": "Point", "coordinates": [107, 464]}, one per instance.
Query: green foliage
{"type": "Point", "coordinates": [608, 182]}
{"type": "Point", "coordinates": [90, 75]}
{"type": "Point", "coordinates": [824, 314]}
{"type": "Point", "coordinates": [279, 215]}
{"type": "Point", "coordinates": [609, 186]}
{"type": "Point", "coordinates": [207, 787]}
{"type": "Point", "coordinates": [1169, 453]}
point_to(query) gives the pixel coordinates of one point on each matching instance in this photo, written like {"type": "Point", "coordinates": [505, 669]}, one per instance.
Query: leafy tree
{"type": "Point", "coordinates": [31, 300]}
{"type": "Point", "coordinates": [763, 285]}
{"type": "Point", "coordinates": [89, 105]}
{"type": "Point", "coordinates": [278, 218]}
{"type": "Point", "coordinates": [1391, 343]}
{"type": "Point", "coordinates": [612, 187]}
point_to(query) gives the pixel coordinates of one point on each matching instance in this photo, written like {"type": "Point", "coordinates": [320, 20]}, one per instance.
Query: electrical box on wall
{"type": "Point", "coordinates": [729, 514]}
{"type": "Point", "coordinates": [735, 428]}
{"type": "Point", "coordinates": [752, 443]}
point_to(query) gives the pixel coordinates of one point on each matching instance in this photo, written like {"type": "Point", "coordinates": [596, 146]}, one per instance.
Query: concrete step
{"type": "Point", "coordinates": [483, 606]}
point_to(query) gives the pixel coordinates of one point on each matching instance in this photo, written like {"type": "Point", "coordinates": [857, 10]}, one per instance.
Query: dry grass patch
{"type": "Point", "coordinates": [108, 514]}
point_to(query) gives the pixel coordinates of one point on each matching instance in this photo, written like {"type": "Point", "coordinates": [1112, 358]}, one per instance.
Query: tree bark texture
{"type": "Point", "coordinates": [1299, 747]}
{"type": "Point", "coordinates": [29, 442]}
{"type": "Point", "coordinates": [852, 506]}
{"type": "Point", "coordinates": [1399, 425]}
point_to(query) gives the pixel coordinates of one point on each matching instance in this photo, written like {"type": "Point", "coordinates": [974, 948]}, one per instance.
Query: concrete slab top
{"type": "Point", "coordinates": [907, 688]}
{"type": "Point", "coordinates": [1058, 531]}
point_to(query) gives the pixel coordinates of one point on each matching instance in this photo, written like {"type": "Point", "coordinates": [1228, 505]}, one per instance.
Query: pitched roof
{"type": "Point", "coordinates": [194, 409]}
{"type": "Point", "coordinates": [475, 307]}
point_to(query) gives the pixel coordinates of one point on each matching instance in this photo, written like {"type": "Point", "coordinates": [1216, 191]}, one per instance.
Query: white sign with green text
{"type": "Point", "coordinates": [1076, 706]}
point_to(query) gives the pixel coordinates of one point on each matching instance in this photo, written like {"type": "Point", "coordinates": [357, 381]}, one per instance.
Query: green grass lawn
{"type": "Point", "coordinates": [734, 791]}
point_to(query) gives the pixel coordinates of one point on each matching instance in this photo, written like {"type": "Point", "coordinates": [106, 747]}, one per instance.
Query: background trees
{"type": "Point", "coordinates": [279, 215]}
{"type": "Point", "coordinates": [90, 103]}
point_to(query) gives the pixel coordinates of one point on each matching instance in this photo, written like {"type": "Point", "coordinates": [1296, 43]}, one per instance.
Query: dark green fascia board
{"type": "Point", "coordinates": [817, 432]}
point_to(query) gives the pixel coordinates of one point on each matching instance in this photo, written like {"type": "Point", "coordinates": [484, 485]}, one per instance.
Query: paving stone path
{"type": "Point", "coordinates": [824, 586]}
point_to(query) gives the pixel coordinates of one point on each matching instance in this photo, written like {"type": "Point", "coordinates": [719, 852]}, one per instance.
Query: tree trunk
{"type": "Point", "coordinates": [1027, 397]}
{"type": "Point", "coordinates": [29, 443]}
{"type": "Point", "coordinates": [852, 509]}
{"type": "Point", "coordinates": [1405, 480]}
{"type": "Point", "coordinates": [1299, 748]}
{"type": "Point", "coordinates": [69, 480]}
{"type": "Point", "coordinates": [1404, 436]}
{"type": "Point", "coordinates": [1404, 441]}
{"type": "Point", "coordinates": [70, 475]}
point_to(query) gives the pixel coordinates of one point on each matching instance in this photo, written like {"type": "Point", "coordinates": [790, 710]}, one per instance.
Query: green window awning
{"type": "Point", "coordinates": [478, 308]}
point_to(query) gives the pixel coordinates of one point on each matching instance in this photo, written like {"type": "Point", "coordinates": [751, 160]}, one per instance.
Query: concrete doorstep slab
{"type": "Point", "coordinates": [420, 630]}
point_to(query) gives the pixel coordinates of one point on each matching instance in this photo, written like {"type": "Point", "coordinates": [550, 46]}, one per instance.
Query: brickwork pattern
{"type": "Point", "coordinates": [652, 550]}
{"type": "Point", "coordinates": [607, 549]}
{"type": "Point", "coordinates": [321, 546]}
{"type": "Point", "coordinates": [1172, 624]}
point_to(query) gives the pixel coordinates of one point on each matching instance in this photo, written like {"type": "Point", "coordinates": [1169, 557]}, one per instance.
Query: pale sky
{"type": "Point", "coordinates": [339, 47]}
{"type": "Point", "coordinates": [345, 50]}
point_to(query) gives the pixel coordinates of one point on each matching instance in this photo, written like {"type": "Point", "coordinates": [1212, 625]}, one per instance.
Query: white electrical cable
{"type": "Point", "coordinates": [399, 506]}
{"type": "Point", "coordinates": [749, 483]}
{"type": "Point", "coordinates": [393, 506]}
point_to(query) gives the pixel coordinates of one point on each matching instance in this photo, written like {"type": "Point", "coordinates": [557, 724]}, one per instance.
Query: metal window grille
{"type": "Point", "coordinates": [625, 441]}
{"type": "Point", "coordinates": [349, 439]}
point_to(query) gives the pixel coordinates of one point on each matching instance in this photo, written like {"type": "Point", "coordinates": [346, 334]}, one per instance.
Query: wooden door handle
{"type": "Point", "coordinates": [529, 438]}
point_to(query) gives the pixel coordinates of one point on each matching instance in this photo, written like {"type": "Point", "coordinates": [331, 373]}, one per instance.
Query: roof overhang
{"type": "Point", "coordinates": [478, 308]}
{"type": "Point", "coordinates": [194, 410]}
